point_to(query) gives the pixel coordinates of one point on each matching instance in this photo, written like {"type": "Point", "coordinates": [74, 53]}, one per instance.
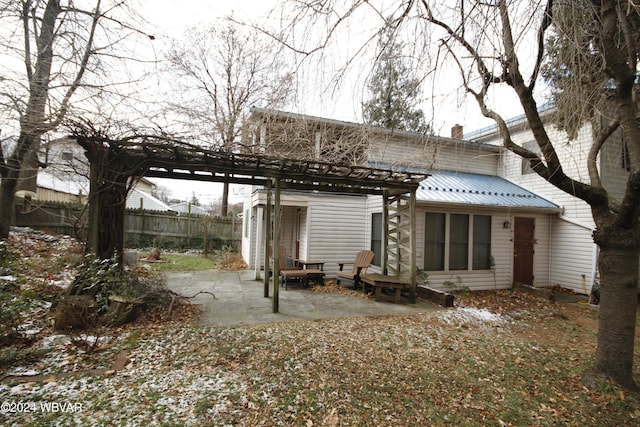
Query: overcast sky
{"type": "Point", "coordinates": [447, 105]}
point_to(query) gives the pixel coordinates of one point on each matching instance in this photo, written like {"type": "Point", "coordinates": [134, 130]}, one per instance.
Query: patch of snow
{"type": "Point", "coordinates": [29, 329]}
{"type": "Point", "coordinates": [470, 315]}
{"type": "Point", "coordinates": [23, 372]}
{"type": "Point", "coordinates": [54, 341]}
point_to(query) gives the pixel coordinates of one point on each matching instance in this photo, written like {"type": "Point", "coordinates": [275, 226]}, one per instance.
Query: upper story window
{"type": "Point", "coordinates": [533, 147]}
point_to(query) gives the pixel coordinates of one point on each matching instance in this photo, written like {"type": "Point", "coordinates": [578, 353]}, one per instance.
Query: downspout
{"type": "Point", "coordinates": [549, 254]}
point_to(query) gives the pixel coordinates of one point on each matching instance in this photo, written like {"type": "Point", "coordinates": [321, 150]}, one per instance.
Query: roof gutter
{"type": "Point", "coordinates": [534, 209]}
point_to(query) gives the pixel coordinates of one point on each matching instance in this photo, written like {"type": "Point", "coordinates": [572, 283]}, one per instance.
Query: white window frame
{"type": "Point", "coordinates": [447, 241]}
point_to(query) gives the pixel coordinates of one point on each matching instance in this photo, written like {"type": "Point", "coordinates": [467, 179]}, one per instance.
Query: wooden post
{"type": "Point", "coordinates": [385, 233]}
{"type": "Point", "coordinates": [94, 209]}
{"type": "Point", "coordinates": [205, 238]}
{"type": "Point", "coordinates": [142, 221]}
{"type": "Point", "coordinates": [412, 245]}
{"type": "Point", "coordinates": [259, 239]}
{"type": "Point", "coordinates": [267, 240]}
{"type": "Point", "coordinates": [277, 219]}
{"type": "Point", "coordinates": [189, 225]}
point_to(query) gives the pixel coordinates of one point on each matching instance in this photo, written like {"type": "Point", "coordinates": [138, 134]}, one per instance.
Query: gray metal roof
{"type": "Point", "coordinates": [479, 190]}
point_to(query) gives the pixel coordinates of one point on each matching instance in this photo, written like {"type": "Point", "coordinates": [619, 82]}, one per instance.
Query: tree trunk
{"type": "Point", "coordinates": [618, 263]}
{"type": "Point", "coordinates": [27, 145]}
{"type": "Point", "coordinates": [7, 202]}
{"type": "Point", "coordinates": [225, 200]}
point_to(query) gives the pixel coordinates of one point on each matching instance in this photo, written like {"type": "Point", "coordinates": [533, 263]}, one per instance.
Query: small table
{"type": "Point", "coordinates": [319, 265]}
{"type": "Point", "coordinates": [380, 281]}
{"type": "Point", "coordinates": [303, 276]}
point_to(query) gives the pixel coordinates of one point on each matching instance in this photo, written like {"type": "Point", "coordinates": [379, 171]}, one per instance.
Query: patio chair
{"type": "Point", "coordinates": [360, 265]}
{"type": "Point", "coordinates": [285, 263]}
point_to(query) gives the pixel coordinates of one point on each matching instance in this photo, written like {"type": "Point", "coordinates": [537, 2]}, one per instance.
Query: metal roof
{"type": "Point", "coordinates": [479, 190]}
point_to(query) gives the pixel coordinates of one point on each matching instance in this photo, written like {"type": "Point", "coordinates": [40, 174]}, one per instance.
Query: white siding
{"type": "Point", "coordinates": [46, 194]}
{"type": "Point", "coordinates": [572, 256]}
{"type": "Point", "coordinates": [304, 233]}
{"type": "Point", "coordinates": [542, 251]}
{"type": "Point", "coordinates": [573, 155]}
{"type": "Point", "coordinates": [613, 175]}
{"type": "Point", "coordinates": [337, 229]}
{"type": "Point", "coordinates": [436, 153]}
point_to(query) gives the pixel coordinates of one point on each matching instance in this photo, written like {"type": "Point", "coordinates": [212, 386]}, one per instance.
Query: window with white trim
{"type": "Point", "coordinates": [452, 240]}
{"type": "Point", "coordinates": [534, 148]}
{"type": "Point", "coordinates": [376, 238]}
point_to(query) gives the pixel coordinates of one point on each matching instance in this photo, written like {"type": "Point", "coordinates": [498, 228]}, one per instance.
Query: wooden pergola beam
{"type": "Point", "coordinates": [167, 158]}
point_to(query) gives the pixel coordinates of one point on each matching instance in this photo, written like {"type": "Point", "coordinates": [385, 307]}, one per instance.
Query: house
{"type": "Point", "coordinates": [474, 227]}
{"type": "Point", "coordinates": [65, 179]}
{"type": "Point", "coordinates": [573, 256]}
{"type": "Point", "coordinates": [188, 208]}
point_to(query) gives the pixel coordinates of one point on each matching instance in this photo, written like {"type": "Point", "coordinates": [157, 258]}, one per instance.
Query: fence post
{"type": "Point", "coordinates": [142, 221]}
{"type": "Point", "coordinates": [189, 225]}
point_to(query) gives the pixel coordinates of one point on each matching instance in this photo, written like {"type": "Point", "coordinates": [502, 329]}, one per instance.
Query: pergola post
{"type": "Point", "coordinates": [260, 238]}
{"type": "Point", "coordinates": [276, 247]}
{"type": "Point", "coordinates": [267, 240]}
{"type": "Point", "coordinates": [399, 215]}
{"type": "Point", "coordinates": [412, 245]}
{"type": "Point", "coordinates": [385, 234]}
{"type": "Point", "coordinates": [94, 210]}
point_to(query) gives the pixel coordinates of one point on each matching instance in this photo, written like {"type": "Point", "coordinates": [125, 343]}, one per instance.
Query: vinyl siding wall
{"type": "Point", "coordinates": [337, 229]}
{"type": "Point", "coordinates": [572, 246]}
{"type": "Point", "coordinates": [332, 228]}
{"type": "Point", "coordinates": [613, 175]}
{"type": "Point", "coordinates": [436, 153]}
{"type": "Point", "coordinates": [569, 265]}
{"type": "Point", "coordinates": [501, 248]}
{"type": "Point", "coordinates": [573, 155]}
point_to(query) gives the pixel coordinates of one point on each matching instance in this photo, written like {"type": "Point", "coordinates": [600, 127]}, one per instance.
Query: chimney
{"type": "Point", "coordinates": [456, 131]}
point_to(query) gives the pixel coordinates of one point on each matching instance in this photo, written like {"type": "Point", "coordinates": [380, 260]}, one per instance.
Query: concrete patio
{"type": "Point", "coordinates": [239, 299]}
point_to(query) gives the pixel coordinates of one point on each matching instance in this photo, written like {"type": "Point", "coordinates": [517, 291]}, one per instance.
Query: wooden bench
{"type": "Point", "coordinates": [302, 276]}
{"type": "Point", "coordinates": [380, 281]}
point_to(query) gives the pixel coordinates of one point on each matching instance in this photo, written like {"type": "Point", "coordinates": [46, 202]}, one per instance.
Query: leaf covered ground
{"type": "Point", "coordinates": [497, 358]}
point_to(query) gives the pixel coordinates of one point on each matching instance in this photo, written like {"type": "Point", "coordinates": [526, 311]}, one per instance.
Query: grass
{"type": "Point", "coordinates": [422, 369]}
{"type": "Point", "coordinates": [182, 262]}
{"type": "Point", "coordinates": [438, 368]}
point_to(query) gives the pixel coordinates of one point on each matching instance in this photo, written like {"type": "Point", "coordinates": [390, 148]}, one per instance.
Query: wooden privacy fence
{"type": "Point", "coordinates": [170, 230]}
{"type": "Point", "coordinates": [167, 230]}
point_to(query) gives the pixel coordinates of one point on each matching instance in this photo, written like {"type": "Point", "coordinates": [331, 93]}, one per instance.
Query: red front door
{"type": "Point", "coordinates": [523, 240]}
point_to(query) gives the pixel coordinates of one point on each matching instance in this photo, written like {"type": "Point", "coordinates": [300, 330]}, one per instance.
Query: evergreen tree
{"type": "Point", "coordinates": [394, 90]}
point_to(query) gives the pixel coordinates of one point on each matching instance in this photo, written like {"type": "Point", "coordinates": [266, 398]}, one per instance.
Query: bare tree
{"type": "Point", "coordinates": [222, 72]}
{"type": "Point", "coordinates": [54, 58]}
{"type": "Point", "coordinates": [490, 44]}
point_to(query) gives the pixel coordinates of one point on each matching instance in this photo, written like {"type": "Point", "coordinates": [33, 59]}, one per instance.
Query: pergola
{"type": "Point", "coordinates": [114, 162]}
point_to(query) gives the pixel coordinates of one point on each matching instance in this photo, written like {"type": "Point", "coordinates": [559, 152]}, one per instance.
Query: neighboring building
{"type": "Point", "coordinates": [474, 227]}
{"type": "Point", "coordinates": [66, 179]}
{"type": "Point", "coordinates": [138, 198]}
{"type": "Point", "coordinates": [188, 208]}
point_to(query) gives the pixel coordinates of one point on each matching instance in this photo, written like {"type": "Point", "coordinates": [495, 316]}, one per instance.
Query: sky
{"type": "Point", "coordinates": [172, 18]}
{"type": "Point", "coordinates": [449, 105]}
